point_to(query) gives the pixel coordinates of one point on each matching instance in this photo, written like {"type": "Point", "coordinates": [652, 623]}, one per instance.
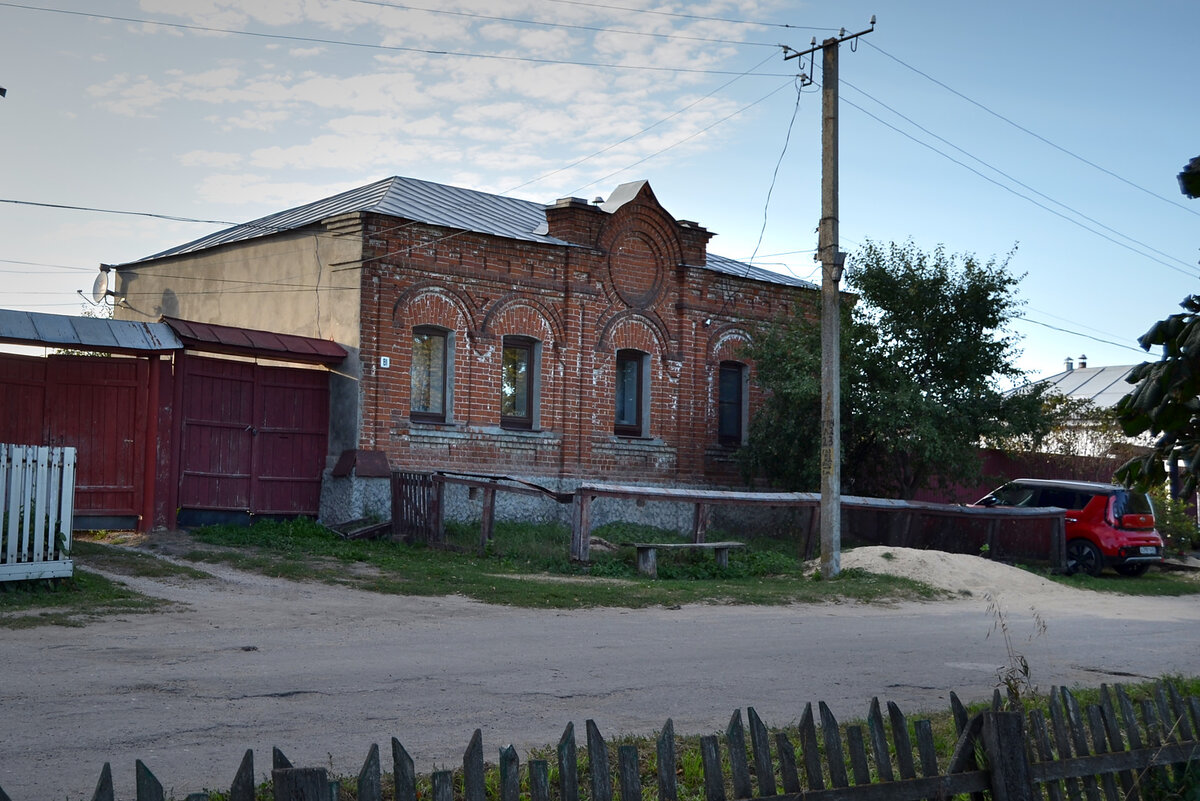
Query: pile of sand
{"type": "Point", "coordinates": [960, 573]}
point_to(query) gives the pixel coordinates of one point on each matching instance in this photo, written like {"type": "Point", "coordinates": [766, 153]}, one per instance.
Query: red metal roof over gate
{"type": "Point", "coordinates": [213, 338]}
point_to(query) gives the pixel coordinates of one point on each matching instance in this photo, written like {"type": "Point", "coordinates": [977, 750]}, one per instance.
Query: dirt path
{"type": "Point", "coordinates": [244, 661]}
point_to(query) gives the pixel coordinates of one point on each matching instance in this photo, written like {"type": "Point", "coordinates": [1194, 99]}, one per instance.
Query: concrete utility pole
{"type": "Point", "coordinates": [832, 262]}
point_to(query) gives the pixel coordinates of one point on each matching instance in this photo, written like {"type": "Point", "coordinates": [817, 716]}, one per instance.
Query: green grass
{"type": "Point", "coordinates": [527, 565]}
{"type": "Point", "coordinates": [1154, 582]}
{"type": "Point", "coordinates": [67, 602]}
{"type": "Point", "coordinates": [87, 595]}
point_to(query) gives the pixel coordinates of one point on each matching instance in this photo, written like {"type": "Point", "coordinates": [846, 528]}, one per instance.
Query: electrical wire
{"type": "Point", "coordinates": [1035, 135]}
{"type": "Point", "coordinates": [680, 15]}
{"type": "Point", "coordinates": [390, 48]}
{"type": "Point", "coordinates": [989, 179]}
{"type": "Point", "coordinates": [564, 25]}
{"type": "Point", "coordinates": [775, 174]}
{"type": "Point", "coordinates": [1016, 181]}
{"type": "Point", "coordinates": [1079, 334]}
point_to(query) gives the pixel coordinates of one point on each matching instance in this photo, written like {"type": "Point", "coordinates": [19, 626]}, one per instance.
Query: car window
{"type": "Point", "coordinates": [1131, 503]}
{"type": "Point", "coordinates": [1014, 495]}
{"type": "Point", "coordinates": [1064, 498]}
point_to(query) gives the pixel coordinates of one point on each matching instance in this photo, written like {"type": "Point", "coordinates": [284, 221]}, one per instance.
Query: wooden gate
{"type": "Point", "coordinates": [416, 507]}
{"type": "Point", "coordinates": [96, 404]}
{"type": "Point", "coordinates": [253, 440]}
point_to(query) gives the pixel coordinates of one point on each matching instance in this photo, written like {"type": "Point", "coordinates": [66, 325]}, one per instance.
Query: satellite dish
{"type": "Point", "coordinates": [100, 287]}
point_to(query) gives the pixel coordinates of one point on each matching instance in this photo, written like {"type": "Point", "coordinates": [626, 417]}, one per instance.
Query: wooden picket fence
{"type": "Point", "coordinates": [1114, 750]}
{"type": "Point", "coordinates": [37, 496]}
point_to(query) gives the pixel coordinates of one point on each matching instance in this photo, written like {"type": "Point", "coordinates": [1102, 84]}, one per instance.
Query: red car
{"type": "Point", "coordinates": [1106, 524]}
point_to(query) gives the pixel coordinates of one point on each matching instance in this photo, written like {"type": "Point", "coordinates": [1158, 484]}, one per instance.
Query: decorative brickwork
{"type": "Point", "coordinates": [628, 279]}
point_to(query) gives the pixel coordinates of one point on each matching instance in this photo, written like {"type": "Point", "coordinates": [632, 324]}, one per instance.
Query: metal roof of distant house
{"type": "Point", "coordinates": [1103, 386]}
{"type": "Point", "coordinates": [439, 204]}
{"type": "Point", "coordinates": [85, 333]}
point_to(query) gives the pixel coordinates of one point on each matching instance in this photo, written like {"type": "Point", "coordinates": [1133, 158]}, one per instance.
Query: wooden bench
{"type": "Point", "coordinates": [647, 552]}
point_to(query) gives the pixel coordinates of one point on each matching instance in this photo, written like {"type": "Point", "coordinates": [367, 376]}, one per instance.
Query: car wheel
{"type": "Point", "coordinates": [1132, 570]}
{"type": "Point", "coordinates": [1083, 557]}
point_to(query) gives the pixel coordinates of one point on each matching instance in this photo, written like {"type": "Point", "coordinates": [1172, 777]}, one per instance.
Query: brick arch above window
{"type": "Point", "coordinates": [498, 320]}
{"type": "Point", "coordinates": [647, 320]}
{"type": "Point", "coordinates": [726, 343]}
{"type": "Point", "coordinates": [433, 303]}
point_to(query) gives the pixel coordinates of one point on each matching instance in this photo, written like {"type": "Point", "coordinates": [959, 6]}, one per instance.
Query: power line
{"type": "Point", "coordinates": [1079, 334]}
{"type": "Point", "coordinates": [1023, 185]}
{"type": "Point", "coordinates": [705, 129]}
{"type": "Point", "coordinates": [390, 48]}
{"type": "Point", "coordinates": [568, 26]}
{"type": "Point", "coordinates": [1037, 136]}
{"type": "Point", "coordinates": [1007, 188]}
{"type": "Point", "coordinates": [775, 173]}
{"type": "Point", "coordinates": [679, 15]}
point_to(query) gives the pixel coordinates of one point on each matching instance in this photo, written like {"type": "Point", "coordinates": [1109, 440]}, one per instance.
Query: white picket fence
{"type": "Point", "coordinates": [37, 487]}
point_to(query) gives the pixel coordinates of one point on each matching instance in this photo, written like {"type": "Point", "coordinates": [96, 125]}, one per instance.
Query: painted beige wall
{"type": "Point", "coordinates": [304, 283]}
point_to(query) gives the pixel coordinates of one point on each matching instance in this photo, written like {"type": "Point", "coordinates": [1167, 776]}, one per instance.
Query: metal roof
{"type": "Point", "coordinates": [85, 333]}
{"type": "Point", "coordinates": [1103, 386]}
{"type": "Point", "coordinates": [451, 207]}
{"type": "Point", "coordinates": [214, 338]}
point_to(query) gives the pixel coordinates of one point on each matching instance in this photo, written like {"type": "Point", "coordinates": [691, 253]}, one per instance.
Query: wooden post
{"type": "Point", "coordinates": [149, 788]}
{"type": "Point", "coordinates": [437, 513]}
{"type": "Point", "coordinates": [404, 774]}
{"type": "Point", "coordinates": [242, 788]}
{"type": "Point", "coordinates": [581, 527]}
{"type": "Point", "coordinates": [370, 786]}
{"type": "Point", "coordinates": [700, 522]}
{"type": "Point", "coordinates": [488, 520]}
{"type": "Point", "coordinates": [1007, 757]}
{"type": "Point", "coordinates": [300, 784]}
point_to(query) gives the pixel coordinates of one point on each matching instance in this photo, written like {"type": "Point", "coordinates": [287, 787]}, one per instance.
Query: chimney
{"type": "Point", "coordinates": [1082, 360]}
{"type": "Point", "coordinates": [1069, 364]}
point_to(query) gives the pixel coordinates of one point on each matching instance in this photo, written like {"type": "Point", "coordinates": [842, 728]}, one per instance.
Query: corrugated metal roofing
{"type": "Point", "coordinates": [252, 342]}
{"type": "Point", "coordinates": [85, 333]}
{"type": "Point", "coordinates": [449, 206]}
{"type": "Point", "coordinates": [722, 264]}
{"type": "Point", "coordinates": [1103, 386]}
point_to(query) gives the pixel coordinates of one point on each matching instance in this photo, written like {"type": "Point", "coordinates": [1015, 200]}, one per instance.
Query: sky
{"type": "Point", "coordinates": [1053, 127]}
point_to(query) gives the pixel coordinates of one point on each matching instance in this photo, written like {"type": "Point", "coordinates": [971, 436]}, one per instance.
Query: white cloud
{"type": "Point", "coordinates": [210, 158]}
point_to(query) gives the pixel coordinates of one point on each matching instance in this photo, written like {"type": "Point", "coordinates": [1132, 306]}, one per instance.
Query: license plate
{"type": "Point", "coordinates": [1148, 550]}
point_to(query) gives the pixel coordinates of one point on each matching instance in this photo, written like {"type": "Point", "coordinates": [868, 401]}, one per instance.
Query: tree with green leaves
{"type": "Point", "coordinates": [925, 350]}
{"type": "Point", "coordinates": [1165, 403]}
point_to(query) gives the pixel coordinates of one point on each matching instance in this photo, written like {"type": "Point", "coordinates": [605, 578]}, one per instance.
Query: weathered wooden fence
{"type": "Point", "coordinates": [1014, 534]}
{"type": "Point", "coordinates": [37, 493]}
{"type": "Point", "coordinates": [416, 507]}
{"type": "Point", "coordinates": [1113, 750]}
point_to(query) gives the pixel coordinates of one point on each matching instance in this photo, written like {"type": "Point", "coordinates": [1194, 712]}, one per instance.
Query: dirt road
{"type": "Point", "coordinates": [322, 672]}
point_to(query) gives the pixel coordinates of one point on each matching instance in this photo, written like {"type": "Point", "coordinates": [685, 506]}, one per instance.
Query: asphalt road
{"type": "Point", "coordinates": [324, 672]}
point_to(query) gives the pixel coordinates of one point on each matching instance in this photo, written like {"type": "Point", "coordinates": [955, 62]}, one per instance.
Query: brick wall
{"type": "Point", "coordinates": [620, 285]}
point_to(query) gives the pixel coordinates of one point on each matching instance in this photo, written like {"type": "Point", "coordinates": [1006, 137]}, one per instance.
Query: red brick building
{"type": "Point", "coordinates": [490, 334]}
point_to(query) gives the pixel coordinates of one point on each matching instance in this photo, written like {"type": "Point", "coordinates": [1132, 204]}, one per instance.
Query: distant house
{"type": "Point", "coordinates": [489, 334]}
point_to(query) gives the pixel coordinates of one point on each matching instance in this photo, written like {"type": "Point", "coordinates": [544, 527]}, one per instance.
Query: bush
{"type": "Point", "coordinates": [1175, 522]}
